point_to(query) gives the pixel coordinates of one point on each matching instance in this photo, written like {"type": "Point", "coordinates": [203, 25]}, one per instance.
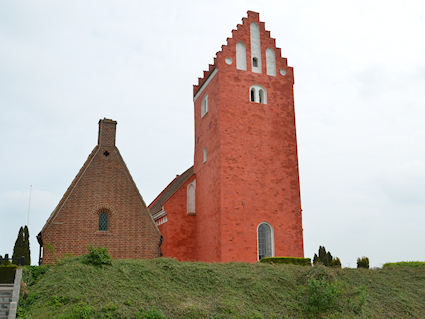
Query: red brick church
{"type": "Point", "coordinates": [240, 201]}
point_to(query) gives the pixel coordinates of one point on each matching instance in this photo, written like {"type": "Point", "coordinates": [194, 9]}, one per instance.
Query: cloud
{"type": "Point", "coordinates": [403, 183]}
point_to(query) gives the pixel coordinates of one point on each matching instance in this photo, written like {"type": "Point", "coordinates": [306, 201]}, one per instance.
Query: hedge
{"type": "Point", "coordinates": [7, 274]}
{"type": "Point", "coordinates": [287, 260]}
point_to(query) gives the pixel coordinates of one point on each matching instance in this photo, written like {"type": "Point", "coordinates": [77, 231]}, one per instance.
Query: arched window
{"type": "Point", "coordinates": [191, 189]}
{"type": "Point", "coordinates": [240, 56]}
{"type": "Point", "coordinates": [271, 62]}
{"type": "Point", "coordinates": [265, 241]}
{"type": "Point", "coordinates": [204, 107]}
{"type": "Point", "coordinates": [255, 47]}
{"type": "Point", "coordinates": [258, 94]}
{"type": "Point", "coordinates": [103, 221]}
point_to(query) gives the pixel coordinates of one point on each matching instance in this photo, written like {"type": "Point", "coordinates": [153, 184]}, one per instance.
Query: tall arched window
{"type": "Point", "coordinates": [191, 190]}
{"type": "Point", "coordinates": [255, 48]}
{"type": "Point", "coordinates": [204, 107]}
{"type": "Point", "coordinates": [103, 221]}
{"type": "Point", "coordinates": [240, 56]}
{"type": "Point", "coordinates": [271, 62]}
{"type": "Point", "coordinates": [265, 241]}
{"type": "Point", "coordinates": [252, 95]}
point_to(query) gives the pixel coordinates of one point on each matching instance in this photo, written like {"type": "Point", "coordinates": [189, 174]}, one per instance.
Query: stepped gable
{"type": "Point", "coordinates": [101, 207]}
{"type": "Point", "coordinates": [242, 33]}
{"type": "Point", "coordinates": [173, 187]}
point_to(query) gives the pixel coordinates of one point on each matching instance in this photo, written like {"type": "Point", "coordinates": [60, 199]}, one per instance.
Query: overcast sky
{"type": "Point", "coordinates": [359, 101]}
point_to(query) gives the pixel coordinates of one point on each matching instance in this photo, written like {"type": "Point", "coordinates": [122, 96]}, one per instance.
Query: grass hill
{"type": "Point", "coordinates": [166, 288]}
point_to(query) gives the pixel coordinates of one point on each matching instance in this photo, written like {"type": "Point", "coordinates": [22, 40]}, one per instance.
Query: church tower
{"type": "Point", "coordinates": [246, 166]}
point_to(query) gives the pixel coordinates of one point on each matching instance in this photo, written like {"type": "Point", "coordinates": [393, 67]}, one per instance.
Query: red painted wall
{"type": "Point", "coordinates": [179, 230]}
{"type": "Point", "coordinates": [251, 175]}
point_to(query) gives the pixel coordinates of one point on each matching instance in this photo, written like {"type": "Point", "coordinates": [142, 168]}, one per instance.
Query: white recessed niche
{"type": "Point", "coordinates": [228, 61]}
{"type": "Point", "coordinates": [282, 71]}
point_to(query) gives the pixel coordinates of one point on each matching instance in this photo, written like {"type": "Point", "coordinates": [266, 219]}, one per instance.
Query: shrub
{"type": "Point", "coordinates": [319, 295]}
{"type": "Point", "coordinates": [325, 258]}
{"type": "Point", "coordinates": [336, 262]}
{"type": "Point", "coordinates": [31, 274]}
{"type": "Point", "coordinates": [363, 262]}
{"type": "Point", "coordinates": [405, 263]}
{"type": "Point", "coordinates": [97, 256]}
{"type": "Point", "coordinates": [7, 275]}
{"type": "Point", "coordinates": [6, 261]}
{"type": "Point", "coordinates": [287, 260]}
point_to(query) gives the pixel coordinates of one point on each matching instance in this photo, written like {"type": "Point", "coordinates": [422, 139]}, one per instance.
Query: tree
{"type": "Point", "coordinates": [18, 249]}
{"type": "Point", "coordinates": [363, 262]}
{"type": "Point", "coordinates": [22, 247]}
{"type": "Point", "coordinates": [6, 260]}
{"type": "Point", "coordinates": [326, 258]}
{"type": "Point", "coordinates": [27, 251]}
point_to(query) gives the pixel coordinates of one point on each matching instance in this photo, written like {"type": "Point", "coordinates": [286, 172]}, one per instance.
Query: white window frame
{"type": "Point", "coordinates": [257, 88]}
{"type": "Point", "coordinates": [272, 239]}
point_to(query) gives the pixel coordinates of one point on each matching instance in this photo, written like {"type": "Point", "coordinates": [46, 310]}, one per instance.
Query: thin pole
{"type": "Point", "coordinates": [29, 206]}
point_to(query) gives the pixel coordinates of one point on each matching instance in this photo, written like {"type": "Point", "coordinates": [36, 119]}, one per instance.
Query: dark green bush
{"type": "Point", "coordinates": [7, 274]}
{"type": "Point", "coordinates": [287, 260]}
{"type": "Point", "coordinates": [97, 256]}
{"type": "Point", "coordinates": [336, 262]}
{"type": "Point", "coordinates": [325, 258]}
{"type": "Point", "coordinates": [5, 261]}
{"type": "Point", "coordinates": [363, 262]}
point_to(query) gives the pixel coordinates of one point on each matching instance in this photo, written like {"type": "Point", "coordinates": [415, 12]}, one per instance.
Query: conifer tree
{"type": "Point", "coordinates": [6, 260]}
{"type": "Point", "coordinates": [326, 258]}
{"type": "Point", "coordinates": [27, 251]}
{"type": "Point", "coordinates": [18, 249]}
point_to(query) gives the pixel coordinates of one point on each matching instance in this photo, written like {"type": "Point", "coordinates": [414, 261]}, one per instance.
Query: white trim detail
{"type": "Point", "coordinates": [271, 62]}
{"type": "Point", "coordinates": [159, 214]}
{"type": "Point", "coordinates": [205, 84]}
{"type": "Point", "coordinates": [161, 220]}
{"type": "Point", "coordinates": [240, 56]}
{"type": "Point", "coordinates": [259, 94]}
{"type": "Point", "coordinates": [255, 47]}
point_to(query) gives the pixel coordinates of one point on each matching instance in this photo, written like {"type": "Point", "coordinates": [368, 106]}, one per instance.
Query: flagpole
{"type": "Point", "coordinates": [29, 206]}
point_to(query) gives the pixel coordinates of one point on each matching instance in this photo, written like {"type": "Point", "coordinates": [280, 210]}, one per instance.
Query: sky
{"type": "Point", "coordinates": [359, 101]}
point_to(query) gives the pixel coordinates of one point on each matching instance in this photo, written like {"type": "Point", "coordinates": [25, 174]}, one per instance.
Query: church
{"type": "Point", "coordinates": [240, 201]}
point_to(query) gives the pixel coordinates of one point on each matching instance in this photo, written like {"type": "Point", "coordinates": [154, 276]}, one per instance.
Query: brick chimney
{"type": "Point", "coordinates": [107, 129]}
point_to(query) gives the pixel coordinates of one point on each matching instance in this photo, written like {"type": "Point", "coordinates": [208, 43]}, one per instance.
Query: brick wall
{"type": "Point", "coordinates": [103, 183]}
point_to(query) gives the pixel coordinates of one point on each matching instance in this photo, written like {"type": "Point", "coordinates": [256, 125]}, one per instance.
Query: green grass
{"type": "Point", "coordinates": [166, 288]}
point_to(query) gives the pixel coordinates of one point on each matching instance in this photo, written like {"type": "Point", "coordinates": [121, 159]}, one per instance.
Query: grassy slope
{"type": "Point", "coordinates": [72, 289]}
